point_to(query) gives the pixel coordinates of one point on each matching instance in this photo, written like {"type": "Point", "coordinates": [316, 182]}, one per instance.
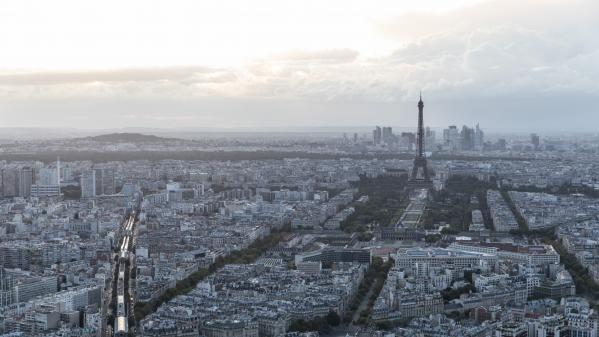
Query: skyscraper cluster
{"type": "Point", "coordinates": [97, 181]}
{"type": "Point", "coordinates": [403, 141]}
{"type": "Point", "coordinates": [377, 135]}
{"type": "Point", "coordinates": [467, 139]}
{"type": "Point", "coordinates": [30, 181]}
{"type": "Point", "coordinates": [16, 182]}
{"type": "Point", "coordinates": [383, 135]}
{"type": "Point", "coordinates": [429, 139]}
{"type": "Point", "coordinates": [48, 182]}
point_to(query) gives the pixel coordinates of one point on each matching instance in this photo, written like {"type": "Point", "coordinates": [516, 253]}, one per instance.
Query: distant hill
{"type": "Point", "coordinates": [127, 138]}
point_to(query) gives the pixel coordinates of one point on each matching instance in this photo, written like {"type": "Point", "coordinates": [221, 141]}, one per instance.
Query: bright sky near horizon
{"type": "Point", "coordinates": [237, 63]}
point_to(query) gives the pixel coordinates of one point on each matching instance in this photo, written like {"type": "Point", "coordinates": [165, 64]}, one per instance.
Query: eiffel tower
{"type": "Point", "coordinates": [420, 177]}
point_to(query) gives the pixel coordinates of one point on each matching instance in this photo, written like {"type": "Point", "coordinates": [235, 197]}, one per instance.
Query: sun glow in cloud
{"type": "Point", "coordinates": [73, 34]}
{"type": "Point", "coordinates": [203, 60]}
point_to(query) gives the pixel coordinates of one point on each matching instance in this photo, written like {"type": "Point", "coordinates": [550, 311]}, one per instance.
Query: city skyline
{"type": "Point", "coordinates": [270, 64]}
{"type": "Point", "coordinates": [268, 168]}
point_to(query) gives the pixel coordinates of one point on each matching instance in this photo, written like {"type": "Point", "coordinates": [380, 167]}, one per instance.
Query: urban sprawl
{"type": "Point", "coordinates": [321, 235]}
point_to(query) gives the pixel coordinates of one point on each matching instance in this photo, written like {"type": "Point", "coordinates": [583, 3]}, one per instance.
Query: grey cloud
{"type": "Point", "coordinates": [493, 49]}
{"type": "Point", "coordinates": [570, 19]}
{"type": "Point", "coordinates": [520, 57]}
{"type": "Point", "coordinates": [115, 75]}
{"type": "Point", "coordinates": [326, 56]}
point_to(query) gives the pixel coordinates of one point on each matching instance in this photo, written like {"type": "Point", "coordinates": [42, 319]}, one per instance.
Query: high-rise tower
{"type": "Point", "coordinates": [58, 173]}
{"type": "Point", "coordinates": [420, 177]}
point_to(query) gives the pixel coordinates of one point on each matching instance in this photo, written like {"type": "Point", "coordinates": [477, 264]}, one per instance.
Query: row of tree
{"type": "Point", "coordinates": [375, 277]}
{"type": "Point", "coordinates": [385, 197]}
{"type": "Point", "coordinates": [523, 227]}
{"type": "Point", "coordinates": [184, 286]}
{"type": "Point", "coordinates": [585, 284]}
{"type": "Point", "coordinates": [453, 205]}
{"type": "Point", "coordinates": [99, 157]}
{"type": "Point", "coordinates": [377, 286]}
{"type": "Point", "coordinates": [102, 157]}
{"type": "Point", "coordinates": [320, 324]}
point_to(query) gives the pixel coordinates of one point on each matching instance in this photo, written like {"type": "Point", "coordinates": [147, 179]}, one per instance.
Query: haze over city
{"type": "Point", "coordinates": [528, 65]}
{"type": "Point", "coordinates": [314, 168]}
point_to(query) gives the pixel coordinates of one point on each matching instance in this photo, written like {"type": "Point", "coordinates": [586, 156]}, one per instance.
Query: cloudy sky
{"type": "Point", "coordinates": [508, 64]}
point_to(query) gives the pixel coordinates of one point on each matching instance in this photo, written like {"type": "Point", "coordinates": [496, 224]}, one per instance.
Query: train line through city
{"type": "Point", "coordinates": [121, 291]}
